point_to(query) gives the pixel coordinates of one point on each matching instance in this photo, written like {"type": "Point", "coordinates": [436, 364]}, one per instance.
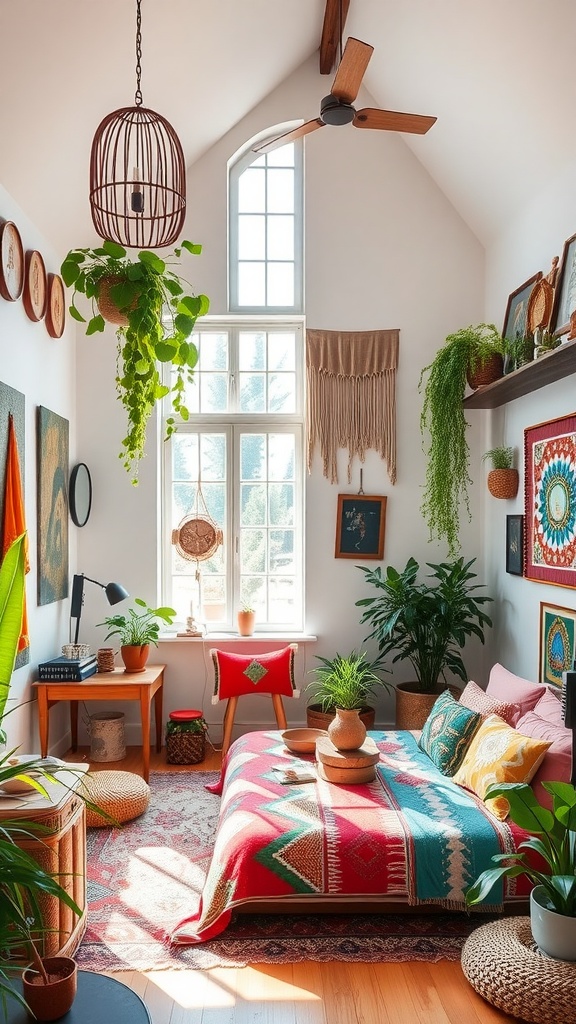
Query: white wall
{"type": "Point", "coordinates": [44, 369]}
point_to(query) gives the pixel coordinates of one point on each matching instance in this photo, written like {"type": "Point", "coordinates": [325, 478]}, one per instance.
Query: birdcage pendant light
{"type": "Point", "coordinates": [137, 173]}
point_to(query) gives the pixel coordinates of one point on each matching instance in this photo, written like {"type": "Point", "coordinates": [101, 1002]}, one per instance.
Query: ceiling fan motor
{"type": "Point", "coordinates": [334, 111]}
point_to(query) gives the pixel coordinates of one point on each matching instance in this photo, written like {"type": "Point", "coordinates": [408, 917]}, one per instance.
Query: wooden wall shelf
{"type": "Point", "coordinates": [561, 362]}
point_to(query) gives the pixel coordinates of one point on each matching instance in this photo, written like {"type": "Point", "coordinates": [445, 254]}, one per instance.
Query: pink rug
{"type": "Point", "coordinates": [144, 877]}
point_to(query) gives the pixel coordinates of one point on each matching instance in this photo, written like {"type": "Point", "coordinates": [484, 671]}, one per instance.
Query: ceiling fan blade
{"type": "Point", "coordinates": [392, 121]}
{"type": "Point", "coordinates": [296, 133]}
{"type": "Point", "coordinates": [335, 16]}
{"type": "Point", "coordinates": [348, 79]}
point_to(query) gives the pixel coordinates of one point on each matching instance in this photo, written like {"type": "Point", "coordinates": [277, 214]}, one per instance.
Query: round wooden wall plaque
{"type": "Point", "coordinates": [11, 262]}
{"type": "Point", "coordinates": [35, 286]}
{"type": "Point", "coordinates": [55, 306]}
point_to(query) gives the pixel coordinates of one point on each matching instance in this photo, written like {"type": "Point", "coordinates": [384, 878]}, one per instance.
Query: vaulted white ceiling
{"type": "Point", "coordinates": [498, 74]}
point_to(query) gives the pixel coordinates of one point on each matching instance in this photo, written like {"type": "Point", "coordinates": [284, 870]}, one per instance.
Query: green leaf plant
{"type": "Point", "coordinates": [345, 681]}
{"type": "Point", "coordinates": [501, 457]}
{"type": "Point", "coordinates": [444, 425]}
{"type": "Point", "coordinates": [137, 628]}
{"type": "Point", "coordinates": [156, 317]}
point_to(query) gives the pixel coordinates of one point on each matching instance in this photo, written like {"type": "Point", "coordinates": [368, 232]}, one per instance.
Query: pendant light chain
{"type": "Point", "coordinates": [138, 94]}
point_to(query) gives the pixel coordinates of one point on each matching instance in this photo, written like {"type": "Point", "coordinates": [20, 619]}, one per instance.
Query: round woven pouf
{"type": "Point", "coordinates": [124, 795]}
{"type": "Point", "coordinates": [503, 963]}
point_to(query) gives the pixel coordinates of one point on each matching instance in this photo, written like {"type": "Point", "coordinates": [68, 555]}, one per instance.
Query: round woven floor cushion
{"type": "Point", "coordinates": [124, 795]}
{"type": "Point", "coordinates": [503, 963]}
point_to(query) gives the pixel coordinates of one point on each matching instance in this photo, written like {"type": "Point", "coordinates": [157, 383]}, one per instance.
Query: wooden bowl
{"type": "Point", "coordinates": [302, 741]}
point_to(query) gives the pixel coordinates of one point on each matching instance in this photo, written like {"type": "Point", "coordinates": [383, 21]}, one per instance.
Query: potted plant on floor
{"type": "Point", "coordinates": [346, 682]}
{"type": "Point", "coordinates": [425, 623]}
{"type": "Point", "coordinates": [466, 357]}
{"type": "Point", "coordinates": [154, 313]}
{"type": "Point", "coordinates": [502, 478]}
{"type": "Point", "coordinates": [553, 838]}
{"type": "Point", "coordinates": [137, 630]}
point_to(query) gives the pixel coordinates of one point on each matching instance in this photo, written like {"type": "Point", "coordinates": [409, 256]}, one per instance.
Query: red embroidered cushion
{"type": "Point", "coordinates": [239, 674]}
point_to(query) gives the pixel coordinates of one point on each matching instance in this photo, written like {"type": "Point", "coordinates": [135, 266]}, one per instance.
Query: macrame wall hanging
{"type": "Point", "coordinates": [196, 538]}
{"type": "Point", "coordinates": [351, 378]}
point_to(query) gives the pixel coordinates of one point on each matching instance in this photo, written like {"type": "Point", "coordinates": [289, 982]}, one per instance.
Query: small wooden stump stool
{"type": "Point", "coordinates": [348, 767]}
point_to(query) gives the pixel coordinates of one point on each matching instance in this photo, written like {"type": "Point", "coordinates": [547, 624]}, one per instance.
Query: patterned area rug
{"type": "Point", "coordinates": [144, 877]}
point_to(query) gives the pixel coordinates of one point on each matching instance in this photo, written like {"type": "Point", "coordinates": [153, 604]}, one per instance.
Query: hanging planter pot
{"type": "Point", "coordinates": [485, 371]}
{"type": "Point", "coordinates": [503, 483]}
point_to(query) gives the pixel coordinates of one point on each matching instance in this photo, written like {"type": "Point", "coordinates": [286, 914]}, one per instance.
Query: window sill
{"type": "Point", "coordinates": [234, 638]}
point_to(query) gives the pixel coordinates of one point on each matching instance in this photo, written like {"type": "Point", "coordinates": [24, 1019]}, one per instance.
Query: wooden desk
{"type": "Point", "coordinates": [116, 685]}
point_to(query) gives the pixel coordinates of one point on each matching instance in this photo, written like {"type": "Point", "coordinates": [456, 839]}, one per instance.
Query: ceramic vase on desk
{"type": "Point", "coordinates": [346, 731]}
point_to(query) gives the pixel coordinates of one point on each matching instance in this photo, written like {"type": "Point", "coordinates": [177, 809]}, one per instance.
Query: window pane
{"type": "Point", "coordinates": [281, 551]}
{"type": "Point", "coordinates": [281, 392]}
{"type": "Point", "coordinates": [282, 157]}
{"type": "Point", "coordinates": [213, 392]}
{"type": "Point", "coordinates": [213, 349]}
{"type": "Point", "coordinates": [184, 500]}
{"type": "Point", "coordinates": [281, 501]}
{"type": "Point", "coordinates": [253, 551]}
{"type": "Point", "coordinates": [281, 599]}
{"type": "Point", "coordinates": [253, 593]}
{"type": "Point", "coordinates": [252, 505]}
{"type": "Point", "coordinates": [251, 284]}
{"type": "Point", "coordinates": [252, 392]}
{"type": "Point", "coordinates": [280, 279]}
{"type": "Point", "coordinates": [253, 457]}
{"type": "Point", "coordinates": [252, 350]}
{"type": "Point", "coordinates": [252, 238]}
{"type": "Point", "coordinates": [281, 351]}
{"type": "Point", "coordinates": [280, 238]}
{"type": "Point", "coordinates": [213, 448]}
{"type": "Point", "coordinates": [280, 191]}
{"type": "Point", "coordinates": [281, 457]}
{"type": "Point", "coordinates": [252, 190]}
{"type": "Point", "coordinates": [185, 457]}
{"type": "Point", "coordinates": [213, 598]}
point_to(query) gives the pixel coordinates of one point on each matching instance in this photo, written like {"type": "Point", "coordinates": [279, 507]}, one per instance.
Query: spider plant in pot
{"type": "Point", "coordinates": [502, 478]}
{"type": "Point", "coordinates": [426, 623]}
{"type": "Point", "coordinates": [154, 312]}
{"type": "Point", "coordinates": [344, 683]}
{"type": "Point", "coordinates": [137, 630]}
{"type": "Point", "coordinates": [463, 357]}
{"type": "Point", "coordinates": [552, 837]}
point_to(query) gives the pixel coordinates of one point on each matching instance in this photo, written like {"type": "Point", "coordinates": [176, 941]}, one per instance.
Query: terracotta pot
{"type": "Point", "coordinates": [246, 621]}
{"type": "Point", "coordinates": [49, 1002]}
{"type": "Point", "coordinates": [413, 706]}
{"type": "Point", "coordinates": [503, 483]}
{"type": "Point", "coordinates": [318, 719]}
{"type": "Point", "coordinates": [346, 730]}
{"type": "Point", "coordinates": [135, 657]}
{"type": "Point", "coordinates": [106, 304]}
{"type": "Point", "coordinates": [486, 372]}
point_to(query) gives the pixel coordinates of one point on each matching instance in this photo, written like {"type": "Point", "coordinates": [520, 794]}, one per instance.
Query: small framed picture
{"type": "Point", "coordinates": [565, 293]}
{"type": "Point", "coordinates": [360, 526]}
{"type": "Point", "coordinates": [515, 319]}
{"type": "Point", "coordinates": [557, 634]}
{"type": "Point", "coordinates": [515, 545]}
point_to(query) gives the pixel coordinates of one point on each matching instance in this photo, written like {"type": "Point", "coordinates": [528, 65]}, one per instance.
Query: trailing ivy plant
{"type": "Point", "coordinates": [442, 420]}
{"type": "Point", "coordinates": [159, 317]}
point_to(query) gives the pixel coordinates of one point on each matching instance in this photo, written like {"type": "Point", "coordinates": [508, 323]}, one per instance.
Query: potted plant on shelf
{"type": "Point", "coordinates": [246, 618]}
{"type": "Point", "coordinates": [344, 682]}
{"type": "Point", "coordinates": [426, 624]}
{"type": "Point", "coordinates": [137, 630]}
{"type": "Point", "coordinates": [553, 838]}
{"type": "Point", "coordinates": [466, 356]}
{"type": "Point", "coordinates": [154, 316]}
{"type": "Point", "coordinates": [502, 478]}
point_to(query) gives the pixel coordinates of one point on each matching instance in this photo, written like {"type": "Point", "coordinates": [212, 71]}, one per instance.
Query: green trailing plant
{"type": "Point", "coordinates": [500, 457]}
{"type": "Point", "coordinates": [137, 628]}
{"type": "Point", "coordinates": [345, 682]}
{"type": "Point", "coordinates": [159, 317]}
{"type": "Point", "coordinates": [553, 838]}
{"type": "Point", "coordinates": [425, 623]}
{"type": "Point", "coordinates": [443, 426]}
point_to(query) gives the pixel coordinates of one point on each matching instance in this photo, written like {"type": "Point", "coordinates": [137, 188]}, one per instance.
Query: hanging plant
{"type": "Point", "coordinates": [154, 317]}
{"type": "Point", "coordinates": [464, 353]}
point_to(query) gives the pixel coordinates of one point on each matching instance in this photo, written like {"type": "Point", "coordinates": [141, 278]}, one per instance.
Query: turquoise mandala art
{"type": "Point", "coordinates": [555, 503]}
{"type": "Point", "coordinates": [559, 645]}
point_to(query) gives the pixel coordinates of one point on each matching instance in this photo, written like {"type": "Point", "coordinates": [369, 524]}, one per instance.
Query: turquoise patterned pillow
{"type": "Point", "coordinates": [447, 733]}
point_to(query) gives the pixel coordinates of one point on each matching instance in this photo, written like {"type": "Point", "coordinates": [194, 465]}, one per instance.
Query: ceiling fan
{"type": "Point", "coordinates": [336, 108]}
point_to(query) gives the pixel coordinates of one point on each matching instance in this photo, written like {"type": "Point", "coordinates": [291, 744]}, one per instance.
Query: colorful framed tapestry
{"type": "Point", "coordinates": [52, 506]}
{"type": "Point", "coordinates": [557, 635]}
{"type": "Point", "coordinates": [360, 526]}
{"type": "Point", "coordinates": [515, 545]}
{"type": "Point", "coordinates": [550, 501]}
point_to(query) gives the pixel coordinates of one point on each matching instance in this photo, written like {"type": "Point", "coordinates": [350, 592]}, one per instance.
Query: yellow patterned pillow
{"type": "Point", "coordinates": [499, 753]}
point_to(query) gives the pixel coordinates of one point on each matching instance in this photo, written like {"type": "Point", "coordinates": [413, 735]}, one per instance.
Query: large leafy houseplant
{"type": "Point", "coordinates": [425, 623]}
{"type": "Point", "coordinates": [443, 426]}
{"type": "Point", "coordinates": [155, 318]}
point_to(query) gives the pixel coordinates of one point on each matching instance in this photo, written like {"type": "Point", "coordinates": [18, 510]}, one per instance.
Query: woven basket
{"type": "Point", "coordinates": [185, 748]}
{"type": "Point", "coordinates": [503, 483]}
{"type": "Point", "coordinates": [485, 372]}
{"type": "Point", "coordinates": [106, 304]}
{"type": "Point", "coordinates": [413, 707]}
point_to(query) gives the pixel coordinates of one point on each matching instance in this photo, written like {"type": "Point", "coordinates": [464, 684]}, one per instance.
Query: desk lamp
{"type": "Point", "coordinates": [114, 592]}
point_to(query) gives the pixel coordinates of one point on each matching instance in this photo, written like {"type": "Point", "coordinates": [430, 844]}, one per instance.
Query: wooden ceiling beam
{"type": "Point", "coordinates": [330, 42]}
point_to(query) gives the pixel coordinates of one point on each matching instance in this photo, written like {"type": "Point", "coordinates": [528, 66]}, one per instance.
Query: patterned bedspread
{"type": "Point", "coordinates": [411, 834]}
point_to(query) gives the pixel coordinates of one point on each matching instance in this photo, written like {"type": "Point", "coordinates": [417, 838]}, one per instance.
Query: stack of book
{"type": "Point", "coordinates": [68, 669]}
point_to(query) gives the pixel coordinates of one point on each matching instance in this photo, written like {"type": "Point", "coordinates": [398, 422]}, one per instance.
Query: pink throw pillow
{"type": "Point", "coordinates": [507, 686]}
{"type": "Point", "coordinates": [549, 707]}
{"type": "Point", "coordinates": [475, 698]}
{"type": "Point", "coordinates": [557, 763]}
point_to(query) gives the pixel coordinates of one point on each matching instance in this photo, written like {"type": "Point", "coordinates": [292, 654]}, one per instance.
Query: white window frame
{"type": "Point", "coordinates": [234, 172]}
{"type": "Point", "coordinates": [233, 424]}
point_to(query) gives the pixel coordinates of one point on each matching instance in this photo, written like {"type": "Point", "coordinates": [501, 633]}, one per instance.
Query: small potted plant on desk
{"type": "Point", "coordinates": [553, 839]}
{"type": "Point", "coordinates": [425, 624]}
{"type": "Point", "coordinates": [344, 683]}
{"type": "Point", "coordinates": [137, 630]}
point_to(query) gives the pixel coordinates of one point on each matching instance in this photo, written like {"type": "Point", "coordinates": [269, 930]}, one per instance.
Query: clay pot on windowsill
{"type": "Point", "coordinates": [246, 621]}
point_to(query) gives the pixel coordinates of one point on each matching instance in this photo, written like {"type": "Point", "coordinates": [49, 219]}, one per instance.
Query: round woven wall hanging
{"type": "Point", "coordinates": [197, 537]}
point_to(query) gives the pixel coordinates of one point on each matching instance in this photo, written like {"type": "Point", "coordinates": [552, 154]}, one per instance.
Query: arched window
{"type": "Point", "coordinates": [265, 245]}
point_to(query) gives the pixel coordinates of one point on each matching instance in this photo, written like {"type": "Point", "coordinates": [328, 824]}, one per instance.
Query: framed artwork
{"type": "Point", "coordinates": [360, 526]}
{"type": "Point", "coordinates": [515, 545]}
{"type": "Point", "coordinates": [515, 319]}
{"type": "Point", "coordinates": [550, 501]}
{"type": "Point", "coordinates": [12, 403]}
{"type": "Point", "coordinates": [52, 506]}
{"type": "Point", "coordinates": [565, 294]}
{"type": "Point", "coordinates": [557, 634]}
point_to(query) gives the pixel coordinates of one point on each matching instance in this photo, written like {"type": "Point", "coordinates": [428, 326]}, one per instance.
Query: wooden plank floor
{"type": "Point", "coordinates": [306, 993]}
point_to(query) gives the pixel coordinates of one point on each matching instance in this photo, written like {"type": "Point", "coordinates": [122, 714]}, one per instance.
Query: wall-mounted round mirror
{"type": "Point", "coordinates": [80, 494]}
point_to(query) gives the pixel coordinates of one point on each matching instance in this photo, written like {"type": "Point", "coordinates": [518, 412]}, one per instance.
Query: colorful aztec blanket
{"type": "Point", "coordinates": [410, 834]}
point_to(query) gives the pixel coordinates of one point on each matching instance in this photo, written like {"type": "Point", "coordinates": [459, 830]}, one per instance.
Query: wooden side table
{"type": "Point", "coordinates": [116, 685]}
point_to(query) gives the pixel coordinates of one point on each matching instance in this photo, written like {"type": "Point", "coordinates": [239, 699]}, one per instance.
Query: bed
{"type": "Point", "coordinates": [411, 838]}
